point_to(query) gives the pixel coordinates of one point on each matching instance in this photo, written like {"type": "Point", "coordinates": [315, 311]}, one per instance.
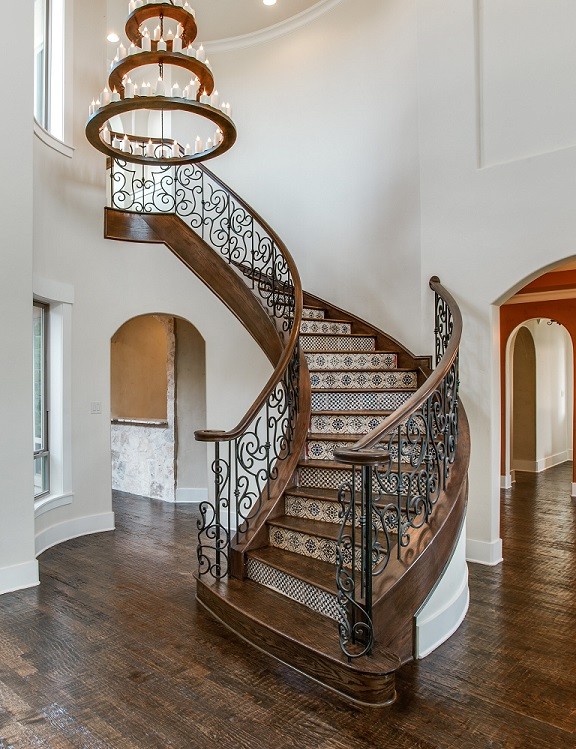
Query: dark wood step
{"type": "Point", "coordinates": [317, 528]}
{"type": "Point", "coordinates": [331, 495]}
{"type": "Point", "coordinates": [312, 571]}
{"type": "Point", "coordinates": [355, 371]}
{"type": "Point", "coordinates": [298, 637]}
{"type": "Point", "coordinates": [352, 413]}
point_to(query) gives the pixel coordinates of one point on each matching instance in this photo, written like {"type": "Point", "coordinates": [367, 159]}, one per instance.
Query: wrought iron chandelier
{"type": "Point", "coordinates": [123, 95]}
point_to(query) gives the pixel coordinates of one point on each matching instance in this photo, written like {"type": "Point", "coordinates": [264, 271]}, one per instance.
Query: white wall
{"type": "Point", "coordinates": [491, 219]}
{"type": "Point", "coordinates": [327, 152]}
{"type": "Point", "coordinates": [553, 393]}
{"type": "Point", "coordinates": [394, 111]}
{"type": "Point", "coordinates": [18, 567]}
{"type": "Point", "coordinates": [112, 283]}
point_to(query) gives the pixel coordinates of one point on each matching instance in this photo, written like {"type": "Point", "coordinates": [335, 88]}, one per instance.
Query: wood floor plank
{"type": "Point", "coordinates": [112, 651]}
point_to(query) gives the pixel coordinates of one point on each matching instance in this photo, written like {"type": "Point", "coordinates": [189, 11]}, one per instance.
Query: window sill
{"type": "Point", "coordinates": [51, 141]}
{"type": "Point", "coordinates": [51, 502]}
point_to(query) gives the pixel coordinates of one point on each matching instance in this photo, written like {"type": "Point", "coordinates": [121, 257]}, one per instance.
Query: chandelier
{"type": "Point", "coordinates": [128, 93]}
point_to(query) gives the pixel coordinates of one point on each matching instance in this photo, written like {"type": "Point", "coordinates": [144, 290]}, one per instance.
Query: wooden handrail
{"type": "Point", "coordinates": [210, 435]}
{"type": "Point", "coordinates": [355, 454]}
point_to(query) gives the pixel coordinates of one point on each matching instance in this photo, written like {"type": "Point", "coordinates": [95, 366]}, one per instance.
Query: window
{"type": "Point", "coordinates": [40, 390]}
{"type": "Point", "coordinates": [49, 65]}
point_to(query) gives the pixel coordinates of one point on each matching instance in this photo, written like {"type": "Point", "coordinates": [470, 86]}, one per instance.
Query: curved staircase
{"type": "Point", "coordinates": [339, 498]}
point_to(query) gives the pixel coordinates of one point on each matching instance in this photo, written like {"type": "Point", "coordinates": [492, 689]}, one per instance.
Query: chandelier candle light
{"type": "Point", "coordinates": [123, 94]}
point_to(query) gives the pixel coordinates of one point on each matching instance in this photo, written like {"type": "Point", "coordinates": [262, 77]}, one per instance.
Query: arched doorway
{"type": "Point", "coordinates": [158, 400]}
{"type": "Point", "coordinates": [545, 310]}
{"type": "Point", "coordinates": [523, 401]}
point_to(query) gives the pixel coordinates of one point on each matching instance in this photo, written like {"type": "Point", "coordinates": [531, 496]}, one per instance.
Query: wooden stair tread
{"type": "Point", "coordinates": [328, 320]}
{"type": "Point", "coordinates": [326, 464]}
{"type": "Point", "coordinates": [317, 528]}
{"type": "Point", "coordinates": [363, 390]}
{"type": "Point", "coordinates": [333, 437]}
{"type": "Point", "coordinates": [340, 370]}
{"type": "Point", "coordinates": [297, 625]}
{"type": "Point", "coordinates": [312, 571]}
{"type": "Point", "coordinates": [313, 492]}
{"type": "Point", "coordinates": [339, 352]}
{"type": "Point", "coordinates": [341, 335]}
{"type": "Point", "coordinates": [331, 495]}
{"type": "Point", "coordinates": [353, 412]}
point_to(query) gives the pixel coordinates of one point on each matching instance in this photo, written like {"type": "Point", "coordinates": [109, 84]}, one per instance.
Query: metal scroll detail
{"type": "Point", "coordinates": [383, 505]}
{"type": "Point", "coordinates": [244, 468]}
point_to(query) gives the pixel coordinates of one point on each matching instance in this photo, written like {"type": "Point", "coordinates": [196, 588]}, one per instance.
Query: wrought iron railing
{"type": "Point", "coordinates": [399, 473]}
{"type": "Point", "coordinates": [247, 458]}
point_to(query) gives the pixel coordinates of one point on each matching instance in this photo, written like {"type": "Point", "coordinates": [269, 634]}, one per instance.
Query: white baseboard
{"type": "Point", "coordinates": [191, 496]}
{"type": "Point", "coordinates": [506, 481]}
{"type": "Point", "coordinates": [542, 464]}
{"type": "Point", "coordinates": [60, 532]}
{"type": "Point", "coordinates": [19, 576]}
{"type": "Point", "coordinates": [432, 631]}
{"type": "Point", "coordinates": [574, 490]}
{"type": "Point", "coordinates": [484, 552]}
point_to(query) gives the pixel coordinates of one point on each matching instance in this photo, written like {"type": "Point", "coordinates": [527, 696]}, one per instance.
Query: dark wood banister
{"type": "Point", "coordinates": [357, 454]}
{"type": "Point", "coordinates": [211, 435]}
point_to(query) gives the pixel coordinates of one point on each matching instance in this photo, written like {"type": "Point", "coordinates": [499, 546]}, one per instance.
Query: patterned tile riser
{"type": "Point", "coordinates": [344, 423]}
{"type": "Point", "coordinates": [364, 380]}
{"type": "Point", "coordinates": [359, 401]}
{"type": "Point", "coordinates": [324, 450]}
{"type": "Point", "coordinates": [325, 326]}
{"type": "Point", "coordinates": [334, 478]}
{"type": "Point", "coordinates": [323, 549]}
{"type": "Point", "coordinates": [355, 361]}
{"type": "Point", "coordinates": [313, 314]}
{"type": "Point", "coordinates": [321, 510]}
{"type": "Point", "coordinates": [298, 590]}
{"type": "Point", "coordinates": [336, 343]}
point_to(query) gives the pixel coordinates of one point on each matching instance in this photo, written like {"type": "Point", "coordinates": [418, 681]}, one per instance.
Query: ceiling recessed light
{"type": "Point", "coordinates": [113, 37]}
{"type": "Point", "coordinates": [269, 2]}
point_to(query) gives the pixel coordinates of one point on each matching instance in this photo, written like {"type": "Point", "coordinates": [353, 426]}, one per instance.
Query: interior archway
{"type": "Point", "coordinates": [523, 400]}
{"type": "Point", "coordinates": [158, 401]}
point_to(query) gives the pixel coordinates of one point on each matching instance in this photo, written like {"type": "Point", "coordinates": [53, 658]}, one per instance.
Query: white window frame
{"type": "Point", "coordinates": [60, 298]}
{"type": "Point", "coordinates": [56, 125]}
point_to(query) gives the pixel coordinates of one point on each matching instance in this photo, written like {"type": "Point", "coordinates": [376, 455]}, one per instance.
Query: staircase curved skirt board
{"type": "Point", "coordinates": [445, 608]}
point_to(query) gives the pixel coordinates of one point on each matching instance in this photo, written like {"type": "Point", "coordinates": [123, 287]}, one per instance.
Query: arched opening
{"type": "Point", "coordinates": [158, 400]}
{"type": "Point", "coordinates": [523, 401]}
{"type": "Point", "coordinates": [541, 314]}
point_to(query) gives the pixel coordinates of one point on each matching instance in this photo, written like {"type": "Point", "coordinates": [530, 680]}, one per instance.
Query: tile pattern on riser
{"type": "Point", "coordinates": [356, 361]}
{"type": "Point", "coordinates": [344, 423]}
{"type": "Point", "coordinates": [321, 423]}
{"type": "Point", "coordinates": [334, 478]}
{"type": "Point", "coordinates": [326, 511]}
{"type": "Point", "coordinates": [324, 449]}
{"type": "Point", "coordinates": [313, 314]}
{"type": "Point", "coordinates": [337, 343]}
{"type": "Point", "coordinates": [323, 549]}
{"type": "Point", "coordinates": [365, 380]}
{"type": "Point", "coordinates": [325, 326]}
{"type": "Point", "coordinates": [337, 401]}
{"type": "Point", "coordinates": [294, 588]}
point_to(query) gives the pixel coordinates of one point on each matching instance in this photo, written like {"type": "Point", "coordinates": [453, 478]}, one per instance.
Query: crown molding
{"type": "Point", "coordinates": [272, 32]}
{"type": "Point", "coordinates": [542, 296]}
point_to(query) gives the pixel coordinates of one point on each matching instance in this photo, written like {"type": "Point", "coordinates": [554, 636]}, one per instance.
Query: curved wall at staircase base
{"type": "Point", "coordinates": [69, 529]}
{"type": "Point", "coordinates": [446, 606]}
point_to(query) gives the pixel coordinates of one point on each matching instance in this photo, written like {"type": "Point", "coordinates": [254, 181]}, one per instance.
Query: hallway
{"type": "Point", "coordinates": [111, 650]}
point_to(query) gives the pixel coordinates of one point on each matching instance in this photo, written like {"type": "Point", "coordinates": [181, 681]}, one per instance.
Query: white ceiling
{"type": "Point", "coordinates": [221, 19]}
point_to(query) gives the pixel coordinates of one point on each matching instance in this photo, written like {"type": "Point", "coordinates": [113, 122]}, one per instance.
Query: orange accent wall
{"type": "Point", "coordinates": [512, 315]}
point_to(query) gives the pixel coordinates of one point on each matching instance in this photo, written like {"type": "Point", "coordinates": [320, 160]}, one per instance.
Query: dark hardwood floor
{"type": "Point", "coordinates": [112, 651]}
